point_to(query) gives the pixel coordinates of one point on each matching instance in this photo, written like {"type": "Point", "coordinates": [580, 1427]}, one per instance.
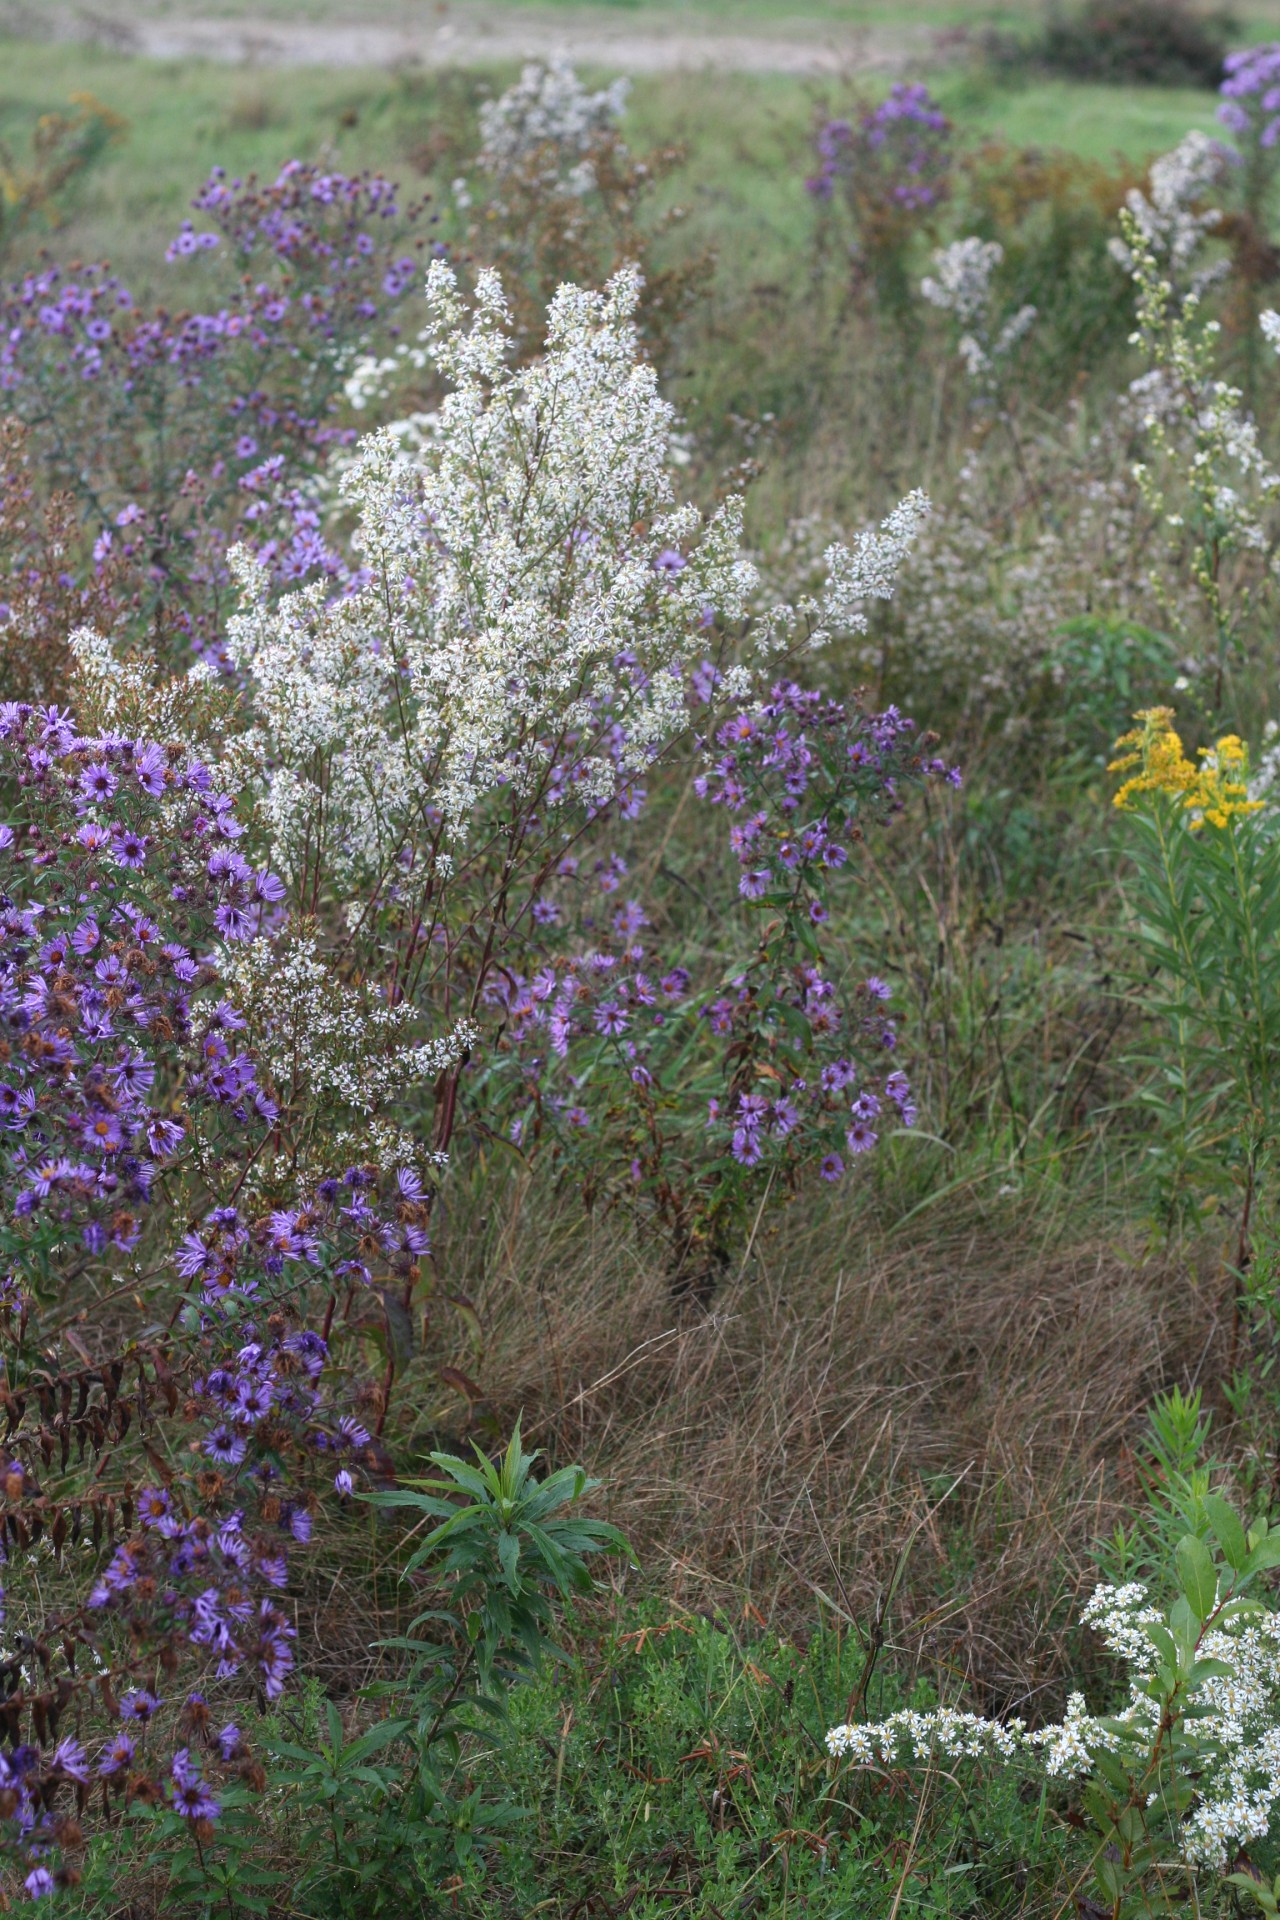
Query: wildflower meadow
{"type": "Point", "coordinates": [640, 976]}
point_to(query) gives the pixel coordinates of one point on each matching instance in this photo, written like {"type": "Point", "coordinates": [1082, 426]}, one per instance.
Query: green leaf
{"type": "Point", "coordinates": [1265, 1553]}
{"type": "Point", "coordinates": [1184, 1624]}
{"type": "Point", "coordinates": [1227, 1530]}
{"type": "Point", "coordinates": [1268, 1898]}
{"type": "Point", "coordinates": [509, 1558]}
{"type": "Point", "coordinates": [1197, 1575]}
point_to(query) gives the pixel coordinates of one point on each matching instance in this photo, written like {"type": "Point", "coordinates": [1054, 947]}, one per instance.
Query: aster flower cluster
{"type": "Point", "coordinates": [50, 1790]}
{"type": "Point", "coordinates": [885, 173]}
{"type": "Point", "coordinates": [549, 121]}
{"type": "Point", "coordinates": [531, 582]}
{"type": "Point", "coordinates": [898, 152]}
{"type": "Point", "coordinates": [194, 414]}
{"type": "Point", "coordinates": [506, 611]}
{"type": "Point", "coordinates": [1251, 94]}
{"type": "Point", "coordinates": [453, 741]}
{"type": "Point", "coordinates": [166, 1444]}
{"type": "Point", "coordinates": [961, 285]}
{"type": "Point", "coordinates": [166, 1579]}
{"type": "Point", "coordinates": [1227, 1722]}
{"type": "Point", "coordinates": [1171, 219]}
{"type": "Point", "coordinates": [699, 1083]}
{"type": "Point", "coordinates": [119, 867]}
{"type": "Point", "coordinates": [345, 1056]}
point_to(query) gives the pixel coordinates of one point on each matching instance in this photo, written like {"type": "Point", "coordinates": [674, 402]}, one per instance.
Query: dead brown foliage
{"type": "Point", "coordinates": [43, 600]}
{"type": "Point", "coordinates": [970, 1403]}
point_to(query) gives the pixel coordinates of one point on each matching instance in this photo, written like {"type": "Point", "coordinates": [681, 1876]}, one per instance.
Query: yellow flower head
{"type": "Point", "coordinates": [1215, 792]}
{"type": "Point", "coordinates": [1154, 748]}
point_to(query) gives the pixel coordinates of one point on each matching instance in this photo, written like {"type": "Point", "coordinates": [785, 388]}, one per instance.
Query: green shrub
{"type": "Point", "coordinates": [1156, 43]}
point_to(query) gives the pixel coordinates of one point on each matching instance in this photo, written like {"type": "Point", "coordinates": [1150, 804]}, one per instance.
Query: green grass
{"type": "Point", "coordinates": [747, 138]}
{"type": "Point", "coordinates": [674, 1769]}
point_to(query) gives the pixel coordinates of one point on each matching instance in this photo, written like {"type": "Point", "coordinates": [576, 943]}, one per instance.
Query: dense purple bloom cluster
{"type": "Point", "coordinates": [120, 868]}
{"type": "Point", "coordinates": [897, 153]}
{"type": "Point", "coordinates": [205, 424]}
{"type": "Point", "coordinates": [696, 1090]}
{"type": "Point", "coordinates": [324, 226]}
{"type": "Point", "coordinates": [193, 1593]}
{"type": "Point", "coordinates": [1251, 94]}
{"type": "Point", "coordinates": [129, 1105]}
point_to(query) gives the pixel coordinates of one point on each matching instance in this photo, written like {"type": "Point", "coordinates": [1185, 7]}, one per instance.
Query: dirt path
{"type": "Point", "coordinates": [466, 34]}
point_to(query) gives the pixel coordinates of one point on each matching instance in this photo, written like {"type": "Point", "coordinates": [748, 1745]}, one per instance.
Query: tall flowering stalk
{"type": "Point", "coordinates": [1215, 486]}
{"type": "Point", "coordinates": [891, 169]}
{"type": "Point", "coordinates": [1206, 887]}
{"type": "Point", "coordinates": [961, 285]}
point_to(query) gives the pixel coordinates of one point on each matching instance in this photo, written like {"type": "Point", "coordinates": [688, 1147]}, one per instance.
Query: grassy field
{"type": "Point", "coordinates": [746, 142]}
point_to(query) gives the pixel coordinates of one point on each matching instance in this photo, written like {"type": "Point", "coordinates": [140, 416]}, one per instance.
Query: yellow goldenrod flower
{"type": "Point", "coordinates": [1155, 749]}
{"type": "Point", "coordinates": [1215, 792]}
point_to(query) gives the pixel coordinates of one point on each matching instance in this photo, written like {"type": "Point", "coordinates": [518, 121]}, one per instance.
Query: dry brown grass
{"type": "Point", "coordinates": [973, 1399]}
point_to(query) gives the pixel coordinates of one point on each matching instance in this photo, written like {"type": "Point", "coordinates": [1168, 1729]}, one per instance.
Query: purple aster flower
{"type": "Point", "coordinates": [139, 1704]}
{"type": "Point", "coordinates": [746, 1147]}
{"type": "Point", "coordinates": [86, 936]}
{"type": "Point", "coordinates": [832, 1166]}
{"type": "Point", "coordinates": [233, 922]}
{"type": "Point", "coordinates": [70, 1758]}
{"type": "Point", "coordinates": [191, 1797]}
{"type": "Point", "coordinates": [164, 1137]}
{"type": "Point", "coordinates": [254, 1399]}
{"type": "Point", "coordinates": [116, 1755]}
{"type": "Point", "coordinates": [97, 782]}
{"type": "Point", "coordinates": [149, 769]}
{"type": "Point", "coordinates": [224, 1446]}
{"type": "Point", "coordinates": [130, 848]}
{"type": "Point", "coordinates": [154, 1505]}
{"type": "Point", "coordinates": [103, 1132]}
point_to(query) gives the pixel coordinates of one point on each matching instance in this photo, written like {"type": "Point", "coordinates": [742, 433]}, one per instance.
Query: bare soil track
{"type": "Point", "coordinates": [466, 34]}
